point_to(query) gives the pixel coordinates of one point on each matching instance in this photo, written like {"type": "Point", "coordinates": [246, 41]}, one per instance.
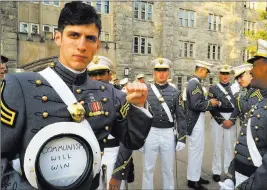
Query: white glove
{"type": "Point", "coordinates": [142, 149]}
{"type": "Point", "coordinates": [180, 146]}
{"type": "Point", "coordinates": [228, 184]}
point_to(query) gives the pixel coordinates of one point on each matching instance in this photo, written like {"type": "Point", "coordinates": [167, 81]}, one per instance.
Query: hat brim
{"type": "Point", "coordinates": [4, 59]}
{"type": "Point", "coordinates": [239, 75]}
{"type": "Point", "coordinates": [255, 58]}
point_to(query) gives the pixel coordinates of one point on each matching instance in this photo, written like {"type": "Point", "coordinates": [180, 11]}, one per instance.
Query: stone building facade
{"type": "Point", "coordinates": [8, 31]}
{"type": "Point", "coordinates": [136, 32]}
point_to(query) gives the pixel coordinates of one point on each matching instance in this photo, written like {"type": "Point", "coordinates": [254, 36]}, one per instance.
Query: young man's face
{"type": "Point", "coordinates": [2, 70]}
{"type": "Point", "coordinates": [259, 74]}
{"type": "Point", "coordinates": [105, 77]}
{"type": "Point", "coordinates": [245, 79]}
{"type": "Point", "coordinates": [142, 80]}
{"type": "Point", "coordinates": [161, 75]}
{"type": "Point", "coordinates": [78, 44]}
{"type": "Point", "coordinates": [204, 72]}
{"type": "Point", "coordinates": [224, 77]}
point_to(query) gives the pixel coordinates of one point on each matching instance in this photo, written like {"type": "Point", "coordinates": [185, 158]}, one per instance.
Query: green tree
{"type": "Point", "coordinates": [260, 34]}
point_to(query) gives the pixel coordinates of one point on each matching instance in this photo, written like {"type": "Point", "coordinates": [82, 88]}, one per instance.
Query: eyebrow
{"type": "Point", "coordinates": [78, 33]}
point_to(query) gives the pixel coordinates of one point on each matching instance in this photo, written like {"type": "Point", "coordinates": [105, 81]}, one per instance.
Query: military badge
{"type": "Point", "coordinates": [8, 115]}
{"type": "Point", "coordinates": [96, 108]}
{"type": "Point", "coordinates": [77, 111]}
{"type": "Point", "coordinates": [96, 59]}
{"type": "Point", "coordinates": [161, 61]}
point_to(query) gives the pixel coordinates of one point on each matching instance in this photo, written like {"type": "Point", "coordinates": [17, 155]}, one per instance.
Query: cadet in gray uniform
{"type": "Point", "coordinates": [195, 116]}
{"type": "Point", "coordinates": [165, 102]}
{"type": "Point", "coordinates": [223, 92]}
{"type": "Point", "coordinates": [248, 170]}
{"type": "Point", "coordinates": [117, 160]}
{"type": "Point", "coordinates": [245, 102]}
{"type": "Point", "coordinates": [29, 104]}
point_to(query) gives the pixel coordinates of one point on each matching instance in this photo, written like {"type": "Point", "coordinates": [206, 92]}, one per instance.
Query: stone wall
{"type": "Point", "coordinates": [8, 31]}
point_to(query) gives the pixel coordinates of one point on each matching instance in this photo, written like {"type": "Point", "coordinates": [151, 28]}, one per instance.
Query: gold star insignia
{"type": "Point", "coordinates": [225, 67]}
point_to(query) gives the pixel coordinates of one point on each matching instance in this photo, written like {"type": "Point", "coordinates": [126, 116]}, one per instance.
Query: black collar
{"type": "Point", "coordinates": [68, 76]}
{"type": "Point", "coordinates": [161, 87]}
{"type": "Point", "coordinates": [224, 85]}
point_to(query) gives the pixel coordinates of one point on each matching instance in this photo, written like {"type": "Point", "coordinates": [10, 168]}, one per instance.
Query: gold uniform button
{"type": "Point", "coordinates": [45, 114]}
{"type": "Point", "coordinates": [242, 134]}
{"type": "Point", "coordinates": [265, 107]}
{"type": "Point", "coordinates": [256, 139]}
{"type": "Point", "coordinates": [235, 152]}
{"type": "Point", "coordinates": [78, 91]}
{"type": "Point", "coordinates": [258, 116]}
{"type": "Point", "coordinates": [106, 113]}
{"type": "Point", "coordinates": [102, 88]}
{"type": "Point", "coordinates": [104, 99]}
{"type": "Point", "coordinates": [102, 153]}
{"type": "Point", "coordinates": [38, 82]}
{"type": "Point", "coordinates": [44, 98]}
{"type": "Point", "coordinates": [107, 128]}
{"type": "Point", "coordinates": [125, 162]}
{"type": "Point", "coordinates": [104, 140]}
{"type": "Point", "coordinates": [52, 65]}
{"type": "Point", "coordinates": [237, 142]}
{"type": "Point", "coordinates": [249, 158]}
{"type": "Point", "coordinates": [122, 173]}
{"type": "Point", "coordinates": [256, 127]}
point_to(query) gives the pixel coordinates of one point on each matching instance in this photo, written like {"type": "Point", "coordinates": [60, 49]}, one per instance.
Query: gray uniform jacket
{"type": "Point", "coordinates": [226, 106]}
{"type": "Point", "coordinates": [242, 161]}
{"type": "Point", "coordinates": [196, 103]}
{"type": "Point", "coordinates": [173, 99]}
{"type": "Point", "coordinates": [31, 104]}
{"type": "Point", "coordinates": [244, 104]}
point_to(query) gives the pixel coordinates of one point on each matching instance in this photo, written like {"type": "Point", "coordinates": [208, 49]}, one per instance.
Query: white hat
{"type": "Point", "coordinates": [162, 63]}
{"type": "Point", "coordinates": [204, 64]}
{"type": "Point", "coordinates": [261, 52]}
{"type": "Point", "coordinates": [150, 80]}
{"type": "Point", "coordinates": [241, 69]}
{"type": "Point", "coordinates": [124, 81]}
{"type": "Point", "coordinates": [225, 68]}
{"type": "Point", "coordinates": [100, 63]}
{"type": "Point", "coordinates": [140, 76]}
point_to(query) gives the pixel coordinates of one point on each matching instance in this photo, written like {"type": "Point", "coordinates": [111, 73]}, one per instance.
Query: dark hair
{"type": "Point", "coordinates": [197, 67]}
{"type": "Point", "coordinates": [98, 72]}
{"type": "Point", "coordinates": [78, 13]}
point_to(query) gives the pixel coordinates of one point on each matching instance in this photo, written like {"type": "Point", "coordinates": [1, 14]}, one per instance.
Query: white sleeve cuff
{"type": "Point", "coordinates": [145, 110]}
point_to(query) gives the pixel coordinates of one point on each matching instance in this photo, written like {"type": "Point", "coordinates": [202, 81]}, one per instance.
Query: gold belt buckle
{"type": "Point", "coordinates": [77, 111]}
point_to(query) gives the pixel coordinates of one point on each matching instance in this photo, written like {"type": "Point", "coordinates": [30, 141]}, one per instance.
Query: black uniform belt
{"type": "Point", "coordinates": [226, 110]}
{"type": "Point", "coordinates": [112, 143]}
{"type": "Point", "coordinates": [244, 169]}
{"type": "Point", "coordinates": [162, 124]}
